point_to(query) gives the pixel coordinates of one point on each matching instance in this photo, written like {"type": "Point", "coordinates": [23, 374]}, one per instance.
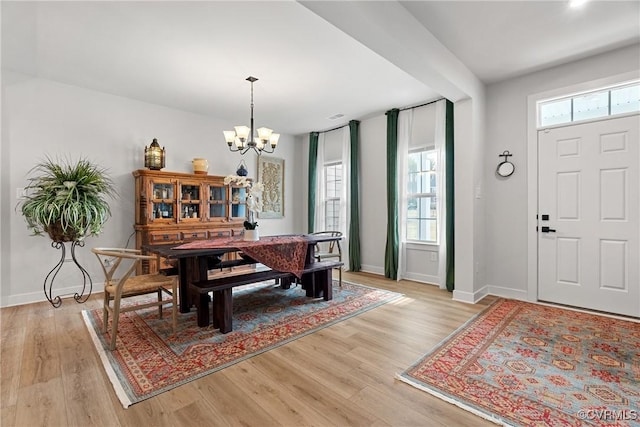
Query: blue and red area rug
{"type": "Point", "coordinates": [524, 364]}
{"type": "Point", "coordinates": [149, 359]}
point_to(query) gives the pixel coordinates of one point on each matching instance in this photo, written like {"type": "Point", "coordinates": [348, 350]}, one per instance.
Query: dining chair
{"type": "Point", "coordinates": [123, 262]}
{"type": "Point", "coordinates": [331, 249]}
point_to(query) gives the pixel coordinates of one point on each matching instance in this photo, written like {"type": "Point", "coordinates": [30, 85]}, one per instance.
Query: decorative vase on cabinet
{"type": "Point", "coordinates": [200, 166]}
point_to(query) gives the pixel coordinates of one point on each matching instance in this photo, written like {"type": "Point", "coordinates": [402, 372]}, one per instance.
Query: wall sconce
{"type": "Point", "coordinates": [154, 156]}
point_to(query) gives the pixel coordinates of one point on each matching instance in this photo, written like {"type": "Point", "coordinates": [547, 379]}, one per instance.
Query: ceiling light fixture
{"type": "Point", "coordinates": [576, 3]}
{"type": "Point", "coordinates": [243, 138]}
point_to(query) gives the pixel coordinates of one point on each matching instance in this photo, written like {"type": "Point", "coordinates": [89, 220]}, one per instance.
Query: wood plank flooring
{"type": "Point", "coordinates": [342, 375]}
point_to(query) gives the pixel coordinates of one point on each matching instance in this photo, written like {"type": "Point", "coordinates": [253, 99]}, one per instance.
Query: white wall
{"type": "Point", "coordinates": [41, 117]}
{"type": "Point", "coordinates": [373, 188]}
{"type": "Point", "coordinates": [506, 222]}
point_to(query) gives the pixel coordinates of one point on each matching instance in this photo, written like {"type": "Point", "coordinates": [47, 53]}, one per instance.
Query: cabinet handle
{"type": "Point", "coordinates": [194, 235]}
{"type": "Point", "coordinates": [165, 236]}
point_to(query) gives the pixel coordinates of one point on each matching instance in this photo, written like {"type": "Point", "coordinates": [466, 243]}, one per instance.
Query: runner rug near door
{"type": "Point", "coordinates": [526, 364]}
{"type": "Point", "coordinates": [149, 359]}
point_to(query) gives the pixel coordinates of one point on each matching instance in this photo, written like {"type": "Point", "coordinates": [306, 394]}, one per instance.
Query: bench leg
{"type": "Point", "coordinates": [202, 307]}
{"type": "Point", "coordinates": [223, 310]}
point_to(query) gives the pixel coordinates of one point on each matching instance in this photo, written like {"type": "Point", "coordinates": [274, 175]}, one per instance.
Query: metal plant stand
{"type": "Point", "coordinates": [51, 277]}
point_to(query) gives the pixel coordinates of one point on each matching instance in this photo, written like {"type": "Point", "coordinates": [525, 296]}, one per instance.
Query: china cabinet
{"type": "Point", "coordinates": [174, 207]}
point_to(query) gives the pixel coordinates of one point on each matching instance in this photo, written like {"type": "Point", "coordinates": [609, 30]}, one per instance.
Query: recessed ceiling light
{"type": "Point", "coordinates": [576, 3]}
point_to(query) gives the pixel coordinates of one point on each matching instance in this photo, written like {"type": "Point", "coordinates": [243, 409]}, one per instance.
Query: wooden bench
{"type": "Point", "coordinates": [316, 281]}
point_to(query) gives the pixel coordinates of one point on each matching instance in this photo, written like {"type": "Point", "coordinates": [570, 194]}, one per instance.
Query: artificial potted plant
{"type": "Point", "coordinates": [67, 199]}
{"type": "Point", "coordinates": [254, 203]}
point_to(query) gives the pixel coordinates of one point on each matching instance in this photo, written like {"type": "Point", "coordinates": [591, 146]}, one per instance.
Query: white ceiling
{"type": "Point", "coordinates": [195, 56]}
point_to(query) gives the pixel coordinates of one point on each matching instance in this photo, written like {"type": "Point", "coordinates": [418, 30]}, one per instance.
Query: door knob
{"type": "Point", "coordinates": [546, 229]}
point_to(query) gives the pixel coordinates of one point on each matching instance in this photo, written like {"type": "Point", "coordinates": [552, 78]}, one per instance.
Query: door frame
{"type": "Point", "coordinates": [532, 164]}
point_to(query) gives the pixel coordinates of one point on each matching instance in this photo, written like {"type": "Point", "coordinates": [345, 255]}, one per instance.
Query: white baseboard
{"type": "Point", "coordinates": [470, 297]}
{"type": "Point", "coordinates": [35, 297]}
{"type": "Point", "coordinates": [500, 291]}
{"type": "Point", "coordinates": [423, 278]}
{"type": "Point", "coordinates": [372, 269]}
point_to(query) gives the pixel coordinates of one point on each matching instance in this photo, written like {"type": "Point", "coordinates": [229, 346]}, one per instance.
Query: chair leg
{"type": "Point", "coordinates": [114, 322]}
{"type": "Point", "coordinates": [340, 276]}
{"type": "Point", "coordinates": [105, 312]}
{"type": "Point", "coordinates": [159, 305]}
{"type": "Point", "coordinates": [174, 306]}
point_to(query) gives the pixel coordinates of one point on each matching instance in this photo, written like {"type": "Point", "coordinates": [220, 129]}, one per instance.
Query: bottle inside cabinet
{"type": "Point", "coordinates": [163, 210]}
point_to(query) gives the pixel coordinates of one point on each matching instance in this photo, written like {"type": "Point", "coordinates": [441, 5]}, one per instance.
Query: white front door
{"type": "Point", "coordinates": [589, 186]}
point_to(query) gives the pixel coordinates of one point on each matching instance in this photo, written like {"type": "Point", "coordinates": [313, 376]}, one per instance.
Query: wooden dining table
{"type": "Point", "coordinates": [196, 258]}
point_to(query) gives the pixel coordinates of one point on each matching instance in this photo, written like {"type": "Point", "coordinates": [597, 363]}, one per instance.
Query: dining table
{"type": "Point", "coordinates": [290, 253]}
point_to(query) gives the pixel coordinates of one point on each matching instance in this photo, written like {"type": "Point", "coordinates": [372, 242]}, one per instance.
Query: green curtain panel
{"type": "Point", "coordinates": [450, 195]}
{"type": "Point", "coordinates": [354, 216]}
{"type": "Point", "coordinates": [313, 156]}
{"type": "Point", "coordinates": [393, 239]}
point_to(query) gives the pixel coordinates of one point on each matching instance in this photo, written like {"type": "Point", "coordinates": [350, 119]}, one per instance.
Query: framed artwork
{"type": "Point", "coordinates": [271, 174]}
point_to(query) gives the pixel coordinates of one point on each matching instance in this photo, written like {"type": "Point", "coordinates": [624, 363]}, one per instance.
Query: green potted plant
{"type": "Point", "coordinates": [66, 199]}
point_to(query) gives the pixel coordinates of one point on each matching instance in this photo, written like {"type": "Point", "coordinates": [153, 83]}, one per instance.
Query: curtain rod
{"type": "Point", "coordinates": [329, 130]}
{"type": "Point", "coordinates": [401, 109]}
{"type": "Point", "coordinates": [421, 105]}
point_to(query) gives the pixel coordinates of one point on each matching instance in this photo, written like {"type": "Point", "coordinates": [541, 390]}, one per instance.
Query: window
{"type": "Point", "coordinates": [422, 217]}
{"type": "Point", "coordinates": [333, 192]}
{"type": "Point", "coordinates": [591, 105]}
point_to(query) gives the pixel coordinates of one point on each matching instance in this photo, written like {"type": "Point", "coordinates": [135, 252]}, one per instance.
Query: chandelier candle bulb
{"type": "Point", "coordinates": [242, 132]}
{"type": "Point", "coordinates": [230, 137]}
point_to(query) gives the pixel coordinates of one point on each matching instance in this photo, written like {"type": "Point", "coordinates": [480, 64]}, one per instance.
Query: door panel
{"type": "Point", "coordinates": [589, 186]}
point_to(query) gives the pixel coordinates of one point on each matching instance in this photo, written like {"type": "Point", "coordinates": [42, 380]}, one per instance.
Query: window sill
{"type": "Point", "coordinates": [422, 246]}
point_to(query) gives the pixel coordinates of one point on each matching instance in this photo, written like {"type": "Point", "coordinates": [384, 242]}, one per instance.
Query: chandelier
{"type": "Point", "coordinates": [243, 138]}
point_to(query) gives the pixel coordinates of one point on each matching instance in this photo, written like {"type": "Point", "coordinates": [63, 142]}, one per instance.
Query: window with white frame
{"type": "Point", "coordinates": [333, 193]}
{"type": "Point", "coordinates": [422, 216]}
{"type": "Point", "coordinates": [591, 105]}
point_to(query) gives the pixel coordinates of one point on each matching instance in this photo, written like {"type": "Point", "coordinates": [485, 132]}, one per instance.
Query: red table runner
{"type": "Point", "coordinates": [281, 253]}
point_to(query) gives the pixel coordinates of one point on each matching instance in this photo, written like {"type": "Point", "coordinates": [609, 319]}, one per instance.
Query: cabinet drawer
{"type": "Point", "coordinates": [220, 232]}
{"type": "Point", "coordinates": [194, 235]}
{"type": "Point", "coordinates": [164, 237]}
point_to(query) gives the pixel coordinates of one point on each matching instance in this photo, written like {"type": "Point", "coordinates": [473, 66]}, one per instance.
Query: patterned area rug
{"type": "Point", "coordinates": [149, 359]}
{"type": "Point", "coordinates": [526, 364]}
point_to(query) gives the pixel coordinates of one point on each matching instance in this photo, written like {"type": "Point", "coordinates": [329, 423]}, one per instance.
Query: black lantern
{"type": "Point", "coordinates": [154, 156]}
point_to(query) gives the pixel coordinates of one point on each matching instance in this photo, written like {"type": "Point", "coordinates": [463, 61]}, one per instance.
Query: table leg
{"type": "Point", "coordinates": [285, 282]}
{"type": "Point", "coordinates": [319, 282]}
{"type": "Point", "coordinates": [185, 300]}
{"type": "Point", "coordinates": [307, 283]}
{"type": "Point", "coordinates": [201, 269]}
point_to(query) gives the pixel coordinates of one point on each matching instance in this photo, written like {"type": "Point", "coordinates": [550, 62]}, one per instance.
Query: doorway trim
{"type": "Point", "coordinates": [532, 165]}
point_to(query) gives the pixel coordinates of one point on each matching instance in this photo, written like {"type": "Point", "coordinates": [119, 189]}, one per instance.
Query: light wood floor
{"type": "Point", "coordinates": [342, 375]}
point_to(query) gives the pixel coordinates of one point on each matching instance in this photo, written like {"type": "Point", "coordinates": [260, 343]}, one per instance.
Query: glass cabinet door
{"type": "Point", "coordinates": [217, 203]}
{"type": "Point", "coordinates": [238, 203]}
{"type": "Point", "coordinates": [162, 200]}
{"type": "Point", "coordinates": [190, 197]}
